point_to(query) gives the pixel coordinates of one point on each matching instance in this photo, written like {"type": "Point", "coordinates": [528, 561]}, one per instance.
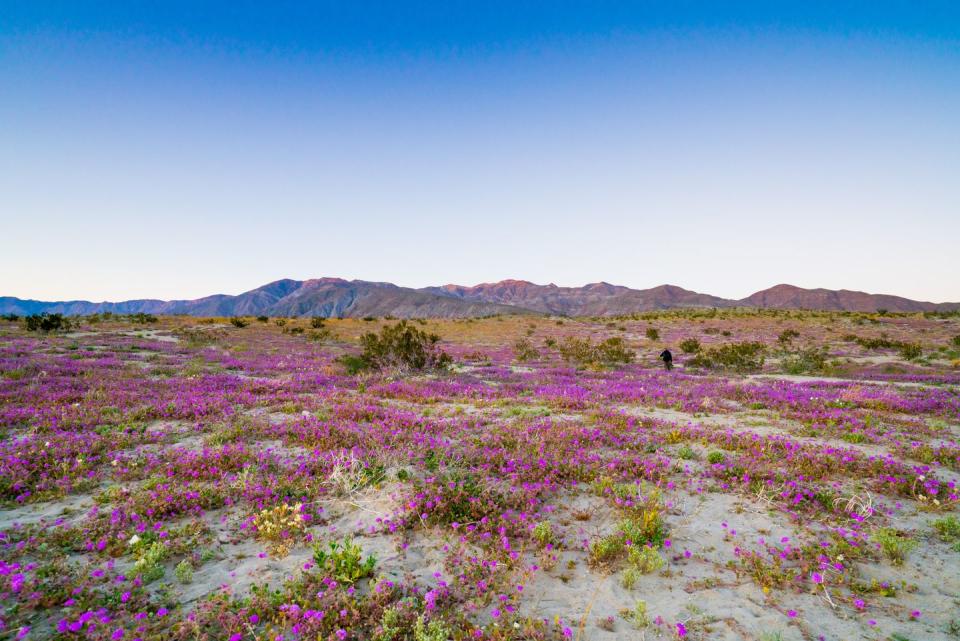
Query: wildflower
{"type": "Point", "coordinates": [681, 630]}
{"type": "Point", "coordinates": [341, 634]}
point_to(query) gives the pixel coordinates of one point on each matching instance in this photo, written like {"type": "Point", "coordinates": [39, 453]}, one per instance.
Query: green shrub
{"type": "Point", "coordinates": [716, 457]}
{"type": "Point", "coordinates": [805, 361]}
{"type": "Point", "coordinates": [317, 322]}
{"type": "Point", "coordinates": [524, 351]}
{"type": "Point", "coordinates": [910, 351]}
{"type": "Point", "coordinates": [787, 335]}
{"type": "Point", "coordinates": [948, 528]}
{"type": "Point", "coordinates": [399, 346]}
{"type": "Point", "coordinates": [238, 322]}
{"type": "Point", "coordinates": [184, 571]}
{"type": "Point", "coordinates": [737, 357]}
{"type": "Point", "coordinates": [344, 561]}
{"type": "Point", "coordinates": [605, 354]}
{"type": "Point", "coordinates": [143, 319]}
{"type": "Point", "coordinates": [263, 319]}
{"type": "Point", "coordinates": [653, 334]}
{"type": "Point", "coordinates": [690, 346]}
{"type": "Point", "coordinates": [46, 323]}
{"type": "Point", "coordinates": [895, 545]}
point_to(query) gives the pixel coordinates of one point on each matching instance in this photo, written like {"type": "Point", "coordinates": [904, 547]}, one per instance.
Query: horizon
{"type": "Point", "coordinates": [451, 284]}
{"type": "Point", "coordinates": [173, 151]}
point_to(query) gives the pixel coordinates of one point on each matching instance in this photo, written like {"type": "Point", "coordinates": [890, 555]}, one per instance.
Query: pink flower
{"type": "Point", "coordinates": [791, 613]}
{"type": "Point", "coordinates": [341, 634]}
{"type": "Point", "coordinates": [681, 630]}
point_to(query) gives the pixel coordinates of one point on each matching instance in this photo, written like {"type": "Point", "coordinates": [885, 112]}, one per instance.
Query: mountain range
{"type": "Point", "coordinates": [334, 297]}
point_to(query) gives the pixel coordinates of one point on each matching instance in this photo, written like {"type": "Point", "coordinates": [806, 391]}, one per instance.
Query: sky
{"type": "Point", "coordinates": [180, 149]}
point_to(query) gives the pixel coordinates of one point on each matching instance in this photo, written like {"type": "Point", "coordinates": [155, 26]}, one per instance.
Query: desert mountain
{"type": "Point", "coordinates": [337, 297]}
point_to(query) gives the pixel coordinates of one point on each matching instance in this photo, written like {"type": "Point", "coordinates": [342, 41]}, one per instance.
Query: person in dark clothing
{"type": "Point", "coordinates": [667, 359]}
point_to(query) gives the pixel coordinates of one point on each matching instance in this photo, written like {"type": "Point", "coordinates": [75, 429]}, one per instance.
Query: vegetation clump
{"type": "Point", "coordinates": [747, 356]}
{"type": "Point", "coordinates": [400, 347]}
{"type": "Point", "coordinates": [46, 323]}
{"type": "Point", "coordinates": [605, 354]}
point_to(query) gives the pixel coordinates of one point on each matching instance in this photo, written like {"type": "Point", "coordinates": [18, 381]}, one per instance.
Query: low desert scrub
{"type": "Point", "coordinates": [735, 357]}
{"type": "Point", "coordinates": [400, 347]}
{"type": "Point", "coordinates": [278, 527]}
{"type": "Point", "coordinates": [344, 561]}
{"type": "Point", "coordinates": [605, 354]}
{"type": "Point", "coordinates": [895, 545]}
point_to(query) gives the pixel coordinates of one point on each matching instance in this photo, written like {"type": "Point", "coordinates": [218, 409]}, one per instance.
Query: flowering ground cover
{"type": "Point", "coordinates": [197, 479]}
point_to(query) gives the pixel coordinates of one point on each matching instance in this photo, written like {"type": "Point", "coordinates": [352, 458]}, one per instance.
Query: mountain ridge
{"type": "Point", "coordinates": [330, 296]}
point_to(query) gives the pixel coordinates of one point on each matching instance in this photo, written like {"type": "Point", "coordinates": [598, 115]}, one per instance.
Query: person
{"type": "Point", "coordinates": [667, 359]}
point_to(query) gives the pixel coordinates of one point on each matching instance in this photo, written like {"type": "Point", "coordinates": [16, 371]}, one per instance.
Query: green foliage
{"type": "Point", "coordinates": [142, 318]}
{"type": "Point", "coordinates": [686, 452]}
{"type": "Point", "coordinates": [524, 351]}
{"type": "Point", "coordinates": [608, 353]}
{"type": "Point", "coordinates": [543, 533]}
{"type": "Point", "coordinates": [910, 351]}
{"type": "Point", "coordinates": [895, 545]}
{"type": "Point", "coordinates": [690, 345]}
{"type": "Point", "coordinates": [150, 558]}
{"type": "Point", "coordinates": [46, 323]}
{"type": "Point", "coordinates": [737, 357]}
{"type": "Point", "coordinates": [787, 335]}
{"type": "Point", "coordinates": [653, 334]}
{"type": "Point", "coordinates": [435, 630]}
{"type": "Point", "coordinates": [317, 322]}
{"type": "Point", "coordinates": [956, 340]}
{"type": "Point", "coordinates": [184, 571]}
{"type": "Point", "coordinates": [805, 361]}
{"type": "Point", "coordinates": [716, 457]}
{"type": "Point", "coordinates": [344, 561]}
{"type": "Point", "coordinates": [399, 346]}
{"type": "Point", "coordinates": [238, 322]}
{"type": "Point", "coordinates": [948, 528]}
{"type": "Point", "coordinates": [263, 319]}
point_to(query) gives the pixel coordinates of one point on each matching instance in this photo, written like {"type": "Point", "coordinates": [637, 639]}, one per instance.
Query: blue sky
{"type": "Point", "coordinates": [182, 149]}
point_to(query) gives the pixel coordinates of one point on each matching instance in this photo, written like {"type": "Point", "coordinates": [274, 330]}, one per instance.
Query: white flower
{"type": "Point", "coordinates": [134, 539]}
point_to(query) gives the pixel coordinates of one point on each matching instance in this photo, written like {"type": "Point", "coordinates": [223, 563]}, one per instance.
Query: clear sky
{"type": "Point", "coordinates": [179, 149]}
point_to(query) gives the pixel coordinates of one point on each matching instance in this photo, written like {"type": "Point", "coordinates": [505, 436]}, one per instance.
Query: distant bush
{"type": "Point", "coordinates": [737, 357]}
{"type": "Point", "coordinates": [401, 347]}
{"type": "Point", "coordinates": [15, 318]}
{"type": "Point", "coordinates": [787, 335]}
{"type": "Point", "coordinates": [653, 334]}
{"type": "Point", "coordinates": [690, 346]}
{"type": "Point", "coordinates": [910, 351]}
{"type": "Point", "coordinates": [280, 322]}
{"type": "Point", "coordinates": [263, 319]}
{"type": "Point", "coordinates": [523, 351]}
{"type": "Point", "coordinates": [238, 322]}
{"type": "Point", "coordinates": [607, 353]}
{"type": "Point", "coordinates": [142, 318]}
{"type": "Point", "coordinates": [46, 323]}
{"type": "Point", "coordinates": [317, 322]}
{"type": "Point", "coordinates": [369, 318]}
{"type": "Point", "coordinates": [807, 361]}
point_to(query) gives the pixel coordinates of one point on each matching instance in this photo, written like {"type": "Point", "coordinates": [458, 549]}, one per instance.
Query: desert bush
{"type": "Point", "coordinates": [607, 353]}
{"type": "Point", "coordinates": [280, 322]}
{"type": "Point", "coordinates": [690, 346]}
{"type": "Point", "coordinates": [16, 317]}
{"type": "Point", "coordinates": [737, 357]}
{"type": "Point", "coordinates": [523, 351]}
{"type": "Point", "coordinates": [653, 333]}
{"type": "Point", "coordinates": [238, 322]}
{"type": "Point", "coordinates": [402, 347]}
{"type": "Point", "coordinates": [142, 318]}
{"type": "Point", "coordinates": [787, 335]}
{"type": "Point", "coordinates": [955, 340]}
{"type": "Point", "coordinates": [46, 323]}
{"type": "Point", "coordinates": [263, 319]}
{"type": "Point", "coordinates": [910, 351]}
{"type": "Point", "coordinates": [344, 561]}
{"type": "Point", "coordinates": [317, 322]}
{"type": "Point", "coordinates": [805, 361]}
